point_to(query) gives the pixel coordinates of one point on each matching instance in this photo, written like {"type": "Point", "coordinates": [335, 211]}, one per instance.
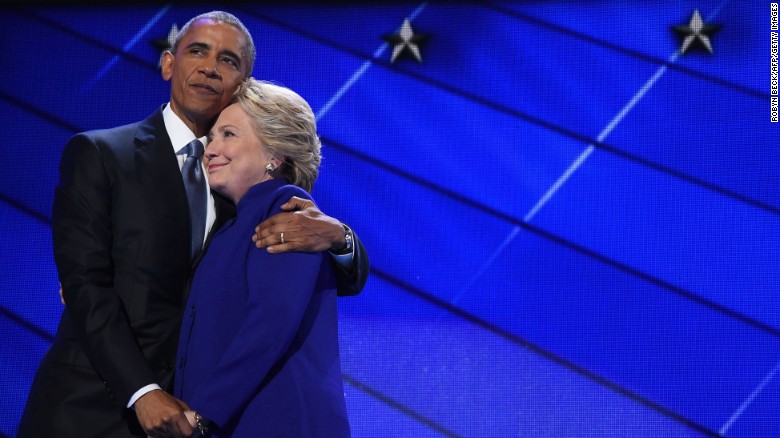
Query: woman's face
{"type": "Point", "coordinates": [237, 159]}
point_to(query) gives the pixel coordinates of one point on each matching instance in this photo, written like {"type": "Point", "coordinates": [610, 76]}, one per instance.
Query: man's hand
{"type": "Point", "coordinates": [302, 228]}
{"type": "Point", "coordinates": [161, 415]}
{"type": "Point", "coordinates": [191, 418]}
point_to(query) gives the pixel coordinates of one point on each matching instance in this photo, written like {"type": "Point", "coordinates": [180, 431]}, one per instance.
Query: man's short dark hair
{"type": "Point", "coordinates": [227, 18]}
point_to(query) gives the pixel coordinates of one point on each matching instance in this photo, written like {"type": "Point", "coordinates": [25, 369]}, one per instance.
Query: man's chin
{"type": "Point", "coordinates": [207, 113]}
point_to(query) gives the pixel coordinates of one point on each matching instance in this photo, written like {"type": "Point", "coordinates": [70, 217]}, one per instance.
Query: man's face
{"type": "Point", "coordinates": [205, 71]}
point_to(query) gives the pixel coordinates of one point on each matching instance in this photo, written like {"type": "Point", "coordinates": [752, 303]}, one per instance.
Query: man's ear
{"type": "Point", "coordinates": [166, 65]}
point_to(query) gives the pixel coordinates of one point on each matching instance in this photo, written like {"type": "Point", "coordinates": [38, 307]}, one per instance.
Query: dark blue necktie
{"type": "Point", "coordinates": [195, 183]}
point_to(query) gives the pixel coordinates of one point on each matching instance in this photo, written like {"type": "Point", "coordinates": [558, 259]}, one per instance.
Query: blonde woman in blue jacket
{"type": "Point", "coordinates": [258, 349]}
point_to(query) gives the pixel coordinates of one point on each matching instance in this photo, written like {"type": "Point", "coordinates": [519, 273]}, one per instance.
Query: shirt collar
{"type": "Point", "coordinates": [178, 132]}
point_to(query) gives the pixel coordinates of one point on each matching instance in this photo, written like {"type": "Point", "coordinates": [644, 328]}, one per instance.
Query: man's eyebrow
{"type": "Point", "coordinates": [199, 45]}
{"type": "Point", "coordinates": [232, 55]}
{"type": "Point", "coordinates": [207, 46]}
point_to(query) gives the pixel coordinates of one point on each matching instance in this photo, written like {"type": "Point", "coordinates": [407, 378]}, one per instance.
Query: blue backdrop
{"type": "Point", "coordinates": [574, 229]}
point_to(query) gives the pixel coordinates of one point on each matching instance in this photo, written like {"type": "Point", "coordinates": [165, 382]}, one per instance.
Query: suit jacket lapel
{"type": "Point", "coordinates": [155, 155]}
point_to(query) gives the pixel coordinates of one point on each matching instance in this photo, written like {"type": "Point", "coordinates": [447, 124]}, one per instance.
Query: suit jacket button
{"type": "Point", "coordinates": [167, 365]}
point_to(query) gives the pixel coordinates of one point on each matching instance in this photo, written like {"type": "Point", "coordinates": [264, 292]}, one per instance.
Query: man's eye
{"type": "Point", "coordinates": [230, 61]}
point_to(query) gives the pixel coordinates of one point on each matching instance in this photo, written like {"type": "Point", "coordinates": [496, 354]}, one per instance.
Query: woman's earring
{"type": "Point", "coordinates": [270, 167]}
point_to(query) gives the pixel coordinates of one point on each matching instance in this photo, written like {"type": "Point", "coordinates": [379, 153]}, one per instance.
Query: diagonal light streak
{"type": "Point", "coordinates": [126, 48]}
{"type": "Point", "coordinates": [601, 137]}
{"type": "Point", "coordinates": [512, 234]}
{"type": "Point", "coordinates": [584, 155]}
{"type": "Point", "coordinates": [749, 399]}
{"type": "Point", "coordinates": [360, 71]}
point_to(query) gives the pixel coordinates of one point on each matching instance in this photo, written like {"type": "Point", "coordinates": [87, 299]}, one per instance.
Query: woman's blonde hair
{"type": "Point", "coordinates": [285, 124]}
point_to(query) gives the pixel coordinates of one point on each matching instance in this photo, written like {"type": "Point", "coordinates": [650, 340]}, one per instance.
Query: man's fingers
{"type": "Point", "coordinates": [191, 418]}
{"type": "Point", "coordinates": [269, 232]}
{"type": "Point", "coordinates": [182, 427]}
{"type": "Point", "coordinates": [275, 249]}
{"type": "Point", "coordinates": [160, 414]}
{"type": "Point", "coordinates": [282, 238]}
{"type": "Point", "coordinates": [300, 228]}
{"type": "Point", "coordinates": [296, 203]}
{"type": "Point", "coordinates": [177, 426]}
{"type": "Point", "coordinates": [269, 225]}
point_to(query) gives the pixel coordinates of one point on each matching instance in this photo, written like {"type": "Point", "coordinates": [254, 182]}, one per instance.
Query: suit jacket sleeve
{"type": "Point", "coordinates": [82, 236]}
{"type": "Point", "coordinates": [351, 282]}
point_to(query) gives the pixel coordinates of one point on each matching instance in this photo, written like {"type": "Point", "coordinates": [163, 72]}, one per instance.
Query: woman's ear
{"type": "Point", "coordinates": [277, 162]}
{"type": "Point", "coordinates": [273, 165]}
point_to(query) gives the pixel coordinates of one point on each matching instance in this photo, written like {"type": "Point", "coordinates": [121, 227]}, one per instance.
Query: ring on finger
{"type": "Point", "coordinates": [281, 237]}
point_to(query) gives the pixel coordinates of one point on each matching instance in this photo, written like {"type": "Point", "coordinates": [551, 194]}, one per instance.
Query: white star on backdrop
{"type": "Point", "coordinates": [406, 41]}
{"type": "Point", "coordinates": [167, 43]}
{"type": "Point", "coordinates": [696, 32]}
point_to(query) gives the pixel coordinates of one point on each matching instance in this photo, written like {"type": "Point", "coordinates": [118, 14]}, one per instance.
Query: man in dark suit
{"type": "Point", "coordinates": [122, 244]}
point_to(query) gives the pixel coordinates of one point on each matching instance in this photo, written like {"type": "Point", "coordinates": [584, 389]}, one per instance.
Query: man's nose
{"type": "Point", "coordinates": [210, 68]}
